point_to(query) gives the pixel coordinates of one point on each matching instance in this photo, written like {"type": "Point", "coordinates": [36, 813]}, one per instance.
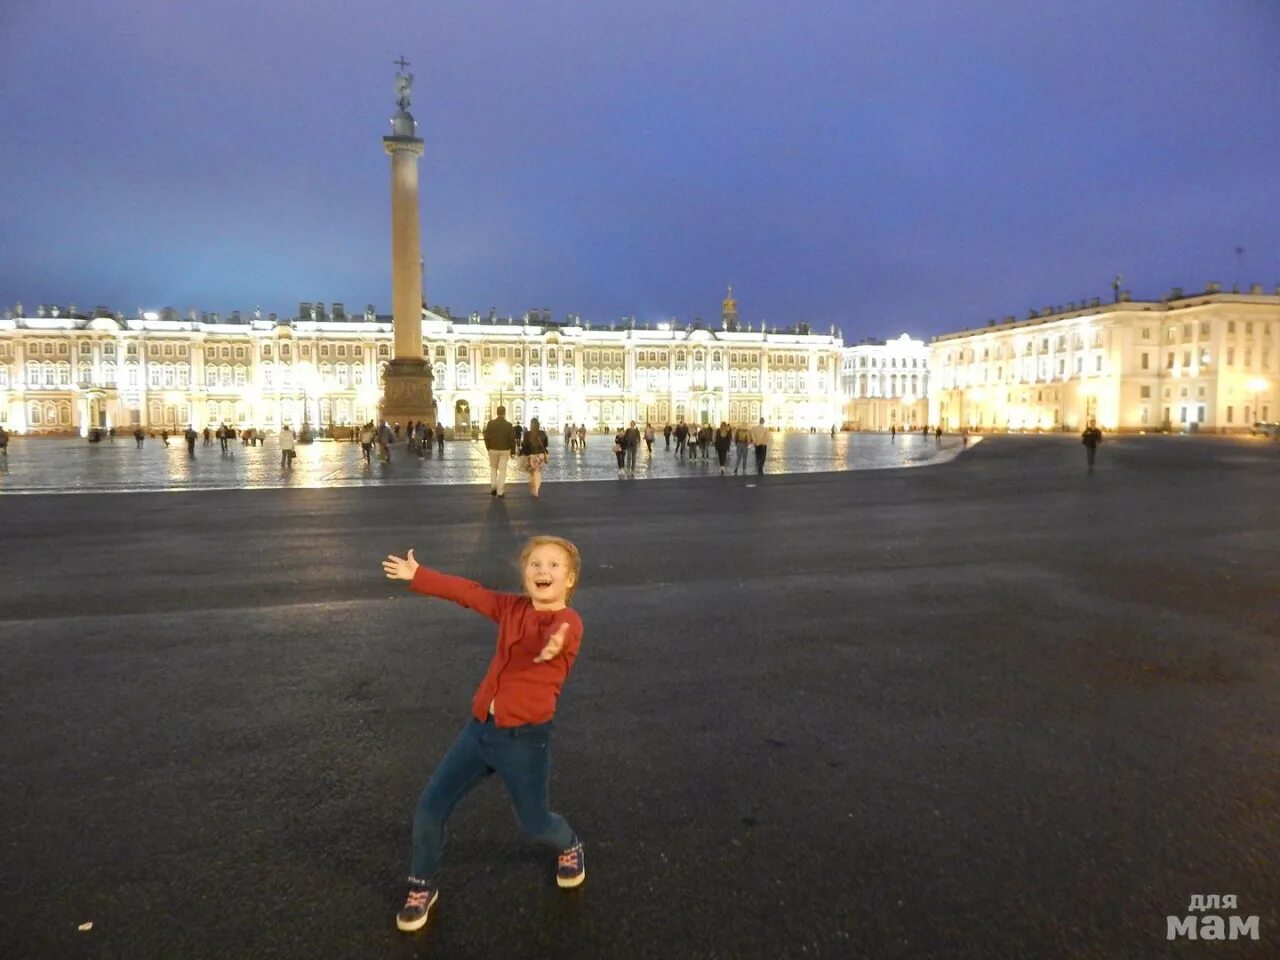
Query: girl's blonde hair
{"type": "Point", "coordinates": [575, 559]}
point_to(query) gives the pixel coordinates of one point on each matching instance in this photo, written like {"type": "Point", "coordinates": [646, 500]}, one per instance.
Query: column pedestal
{"type": "Point", "coordinates": [406, 392]}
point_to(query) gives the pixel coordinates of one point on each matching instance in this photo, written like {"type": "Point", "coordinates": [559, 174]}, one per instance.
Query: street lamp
{"type": "Point", "coordinates": [1257, 385]}
{"type": "Point", "coordinates": [501, 371]}
{"type": "Point", "coordinates": [310, 381]}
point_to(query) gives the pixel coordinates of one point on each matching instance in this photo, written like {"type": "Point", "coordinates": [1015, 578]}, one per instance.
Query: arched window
{"type": "Point", "coordinates": [34, 418]}
{"type": "Point", "coordinates": [268, 374]}
{"type": "Point", "coordinates": [464, 370]}
{"type": "Point", "coordinates": [167, 375]}
{"type": "Point", "coordinates": [242, 374]}
{"type": "Point", "coordinates": [84, 373]}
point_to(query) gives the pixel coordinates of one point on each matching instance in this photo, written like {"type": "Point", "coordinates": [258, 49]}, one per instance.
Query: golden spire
{"type": "Point", "coordinates": [729, 312]}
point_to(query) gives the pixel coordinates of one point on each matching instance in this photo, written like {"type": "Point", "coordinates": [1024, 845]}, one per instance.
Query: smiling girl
{"type": "Point", "coordinates": [510, 727]}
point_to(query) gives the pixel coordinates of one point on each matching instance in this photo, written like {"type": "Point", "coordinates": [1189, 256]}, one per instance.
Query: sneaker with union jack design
{"type": "Point", "coordinates": [417, 907]}
{"type": "Point", "coordinates": [572, 868]}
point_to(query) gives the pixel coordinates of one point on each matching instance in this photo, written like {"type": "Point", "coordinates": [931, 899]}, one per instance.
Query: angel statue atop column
{"type": "Point", "coordinates": [404, 86]}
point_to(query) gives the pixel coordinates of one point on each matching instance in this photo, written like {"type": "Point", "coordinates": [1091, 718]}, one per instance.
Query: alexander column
{"type": "Point", "coordinates": [406, 385]}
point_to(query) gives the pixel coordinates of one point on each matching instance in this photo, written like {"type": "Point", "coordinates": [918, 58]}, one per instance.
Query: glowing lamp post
{"type": "Point", "coordinates": [500, 373]}
{"type": "Point", "coordinates": [1257, 385]}
{"type": "Point", "coordinates": [310, 385]}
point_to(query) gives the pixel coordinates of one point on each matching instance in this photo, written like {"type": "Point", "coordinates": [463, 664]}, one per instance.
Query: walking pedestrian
{"type": "Point", "coordinates": [534, 455]}
{"type": "Point", "coordinates": [287, 447]}
{"type": "Point", "coordinates": [649, 437]}
{"type": "Point", "coordinates": [4, 448]}
{"type": "Point", "coordinates": [510, 728]}
{"type": "Point", "coordinates": [666, 435]}
{"type": "Point", "coordinates": [760, 439]}
{"type": "Point", "coordinates": [631, 443]}
{"type": "Point", "coordinates": [937, 435]}
{"type": "Point", "coordinates": [741, 442]}
{"type": "Point", "coordinates": [191, 436]}
{"type": "Point", "coordinates": [367, 436]}
{"type": "Point", "coordinates": [723, 439]}
{"type": "Point", "coordinates": [500, 442]}
{"type": "Point", "coordinates": [440, 437]}
{"type": "Point", "coordinates": [386, 437]}
{"type": "Point", "coordinates": [1091, 437]}
{"type": "Point", "coordinates": [582, 436]}
{"type": "Point", "coordinates": [138, 437]}
{"type": "Point", "coordinates": [620, 448]}
{"type": "Point", "coordinates": [682, 439]}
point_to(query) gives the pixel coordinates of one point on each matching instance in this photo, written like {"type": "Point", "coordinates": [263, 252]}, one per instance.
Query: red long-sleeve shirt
{"type": "Point", "coordinates": [520, 690]}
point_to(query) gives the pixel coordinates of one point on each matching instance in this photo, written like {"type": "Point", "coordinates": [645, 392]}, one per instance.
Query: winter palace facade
{"type": "Point", "coordinates": [66, 372]}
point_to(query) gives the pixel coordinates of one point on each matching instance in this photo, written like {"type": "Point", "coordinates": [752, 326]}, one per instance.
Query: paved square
{"type": "Point", "coordinates": [993, 708]}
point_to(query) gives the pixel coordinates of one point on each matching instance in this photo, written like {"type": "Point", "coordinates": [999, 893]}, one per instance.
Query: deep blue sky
{"type": "Point", "coordinates": [887, 167]}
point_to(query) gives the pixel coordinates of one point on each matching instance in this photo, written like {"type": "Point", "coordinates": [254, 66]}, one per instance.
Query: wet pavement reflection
{"type": "Point", "coordinates": [65, 465]}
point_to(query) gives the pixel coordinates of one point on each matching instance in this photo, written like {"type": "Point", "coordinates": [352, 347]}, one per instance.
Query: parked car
{"type": "Point", "coordinates": [1267, 428]}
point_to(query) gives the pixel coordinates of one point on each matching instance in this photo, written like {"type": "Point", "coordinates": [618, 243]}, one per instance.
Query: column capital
{"type": "Point", "coordinates": [394, 145]}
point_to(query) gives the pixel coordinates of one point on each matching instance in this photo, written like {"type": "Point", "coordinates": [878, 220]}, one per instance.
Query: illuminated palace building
{"type": "Point", "coordinates": [1207, 361]}
{"type": "Point", "coordinates": [61, 371]}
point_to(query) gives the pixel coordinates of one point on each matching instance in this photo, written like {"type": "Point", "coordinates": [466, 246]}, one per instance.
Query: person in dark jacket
{"type": "Point", "coordinates": [500, 441]}
{"type": "Point", "coordinates": [620, 447]}
{"type": "Point", "coordinates": [631, 443]}
{"type": "Point", "coordinates": [723, 440]}
{"type": "Point", "coordinates": [1091, 437]}
{"type": "Point", "coordinates": [536, 453]}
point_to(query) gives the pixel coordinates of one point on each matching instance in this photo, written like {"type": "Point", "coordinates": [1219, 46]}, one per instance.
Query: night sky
{"type": "Point", "coordinates": [886, 167]}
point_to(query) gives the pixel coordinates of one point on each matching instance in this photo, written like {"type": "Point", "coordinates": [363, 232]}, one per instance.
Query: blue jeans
{"type": "Point", "coordinates": [521, 756]}
{"type": "Point", "coordinates": [739, 457]}
{"type": "Point", "coordinates": [631, 458]}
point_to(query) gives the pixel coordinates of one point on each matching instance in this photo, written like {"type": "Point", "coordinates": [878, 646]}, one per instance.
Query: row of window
{"type": "Point", "coordinates": [1204, 358]}
{"type": "Point", "coordinates": [890, 363]}
{"type": "Point", "coordinates": [1189, 329]}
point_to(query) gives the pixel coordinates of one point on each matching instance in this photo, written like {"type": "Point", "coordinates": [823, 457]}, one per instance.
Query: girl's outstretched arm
{"type": "Point", "coordinates": [466, 593]}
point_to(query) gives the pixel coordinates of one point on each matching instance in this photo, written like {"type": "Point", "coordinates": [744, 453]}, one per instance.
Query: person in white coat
{"type": "Point", "coordinates": [287, 443]}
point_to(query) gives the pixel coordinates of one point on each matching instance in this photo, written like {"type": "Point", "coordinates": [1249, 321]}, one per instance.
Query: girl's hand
{"type": "Point", "coordinates": [555, 643]}
{"type": "Point", "coordinates": [400, 568]}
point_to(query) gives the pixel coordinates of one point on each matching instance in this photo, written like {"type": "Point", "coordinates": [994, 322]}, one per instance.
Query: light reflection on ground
{"type": "Point", "coordinates": [58, 465]}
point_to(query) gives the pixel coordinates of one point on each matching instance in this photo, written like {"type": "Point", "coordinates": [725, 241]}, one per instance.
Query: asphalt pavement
{"type": "Point", "coordinates": [995, 708]}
